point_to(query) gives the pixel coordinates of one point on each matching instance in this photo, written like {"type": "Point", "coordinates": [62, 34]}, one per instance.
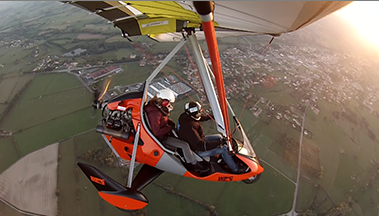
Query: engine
{"type": "Point", "coordinates": [120, 121]}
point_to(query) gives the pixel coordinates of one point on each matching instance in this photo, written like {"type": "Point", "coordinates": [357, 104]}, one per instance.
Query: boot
{"type": "Point", "coordinates": [202, 166]}
{"type": "Point", "coordinates": [242, 170]}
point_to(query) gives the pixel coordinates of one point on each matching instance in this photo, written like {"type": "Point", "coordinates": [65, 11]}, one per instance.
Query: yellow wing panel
{"type": "Point", "coordinates": [168, 9]}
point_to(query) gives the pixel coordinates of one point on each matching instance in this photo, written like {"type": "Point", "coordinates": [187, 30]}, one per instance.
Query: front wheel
{"type": "Point", "coordinates": [252, 179]}
{"type": "Point", "coordinates": [255, 178]}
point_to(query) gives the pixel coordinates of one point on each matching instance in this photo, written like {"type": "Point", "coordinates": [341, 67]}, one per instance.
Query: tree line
{"type": "Point", "coordinates": [13, 101]}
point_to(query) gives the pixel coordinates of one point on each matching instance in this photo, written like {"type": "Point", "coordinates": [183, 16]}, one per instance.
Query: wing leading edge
{"type": "Point", "coordinates": [164, 20]}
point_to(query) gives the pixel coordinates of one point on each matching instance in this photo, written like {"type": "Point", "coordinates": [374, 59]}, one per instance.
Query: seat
{"type": "Point", "coordinates": [146, 118]}
{"type": "Point", "coordinates": [173, 146]}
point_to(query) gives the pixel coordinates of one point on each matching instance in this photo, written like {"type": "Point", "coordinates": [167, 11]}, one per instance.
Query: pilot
{"type": "Point", "coordinates": [191, 131]}
{"type": "Point", "coordinates": [158, 109]}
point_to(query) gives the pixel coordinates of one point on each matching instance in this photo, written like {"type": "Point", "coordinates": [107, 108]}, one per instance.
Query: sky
{"type": "Point", "coordinates": [364, 15]}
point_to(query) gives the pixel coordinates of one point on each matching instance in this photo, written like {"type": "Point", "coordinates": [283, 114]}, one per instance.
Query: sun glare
{"type": "Point", "coordinates": [364, 16]}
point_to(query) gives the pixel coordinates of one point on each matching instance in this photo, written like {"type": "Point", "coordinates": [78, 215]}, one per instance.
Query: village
{"type": "Point", "coordinates": [312, 74]}
{"type": "Point", "coordinates": [310, 78]}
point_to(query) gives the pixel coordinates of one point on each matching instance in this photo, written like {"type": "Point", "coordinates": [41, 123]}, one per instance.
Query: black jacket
{"type": "Point", "coordinates": [192, 132]}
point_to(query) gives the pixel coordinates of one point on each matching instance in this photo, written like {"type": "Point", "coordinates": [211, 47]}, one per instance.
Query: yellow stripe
{"type": "Point", "coordinates": [168, 9]}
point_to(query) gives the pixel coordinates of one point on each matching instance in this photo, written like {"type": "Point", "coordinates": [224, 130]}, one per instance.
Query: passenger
{"type": "Point", "coordinates": [158, 109]}
{"type": "Point", "coordinates": [191, 131]}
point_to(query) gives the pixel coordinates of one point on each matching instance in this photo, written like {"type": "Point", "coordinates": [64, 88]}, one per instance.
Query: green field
{"type": "Point", "coordinates": [54, 107]}
{"type": "Point", "coordinates": [11, 86]}
{"type": "Point", "coordinates": [123, 53]}
{"type": "Point", "coordinates": [8, 153]}
{"type": "Point", "coordinates": [15, 59]}
{"type": "Point", "coordinates": [39, 110]}
{"type": "Point", "coordinates": [114, 39]}
{"type": "Point", "coordinates": [307, 190]}
{"type": "Point", "coordinates": [341, 158]}
{"type": "Point", "coordinates": [87, 141]}
{"type": "Point", "coordinates": [55, 130]}
{"type": "Point", "coordinates": [46, 84]}
{"type": "Point", "coordinates": [132, 73]}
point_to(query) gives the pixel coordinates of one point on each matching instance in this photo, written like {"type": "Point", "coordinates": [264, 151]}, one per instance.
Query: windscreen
{"type": "Point", "coordinates": [241, 142]}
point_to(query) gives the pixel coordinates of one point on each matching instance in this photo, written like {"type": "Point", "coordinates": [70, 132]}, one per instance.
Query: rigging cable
{"type": "Point", "coordinates": [198, 77]}
{"type": "Point", "coordinates": [145, 53]}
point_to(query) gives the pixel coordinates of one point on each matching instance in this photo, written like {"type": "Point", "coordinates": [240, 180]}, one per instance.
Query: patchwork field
{"type": "Point", "coordinates": [45, 84]}
{"type": "Point", "coordinates": [40, 109]}
{"type": "Point", "coordinates": [64, 127]}
{"type": "Point", "coordinates": [132, 74]}
{"type": "Point", "coordinates": [11, 86]}
{"type": "Point", "coordinates": [8, 153]}
{"type": "Point", "coordinates": [51, 101]}
{"type": "Point", "coordinates": [86, 36]}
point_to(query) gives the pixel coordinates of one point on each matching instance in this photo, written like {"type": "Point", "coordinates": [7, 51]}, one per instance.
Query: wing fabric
{"type": "Point", "coordinates": [143, 17]}
{"type": "Point", "coordinates": [271, 17]}
{"type": "Point", "coordinates": [231, 18]}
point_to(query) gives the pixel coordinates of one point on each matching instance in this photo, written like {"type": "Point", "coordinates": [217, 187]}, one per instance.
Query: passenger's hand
{"type": "Point", "coordinates": [223, 141]}
{"type": "Point", "coordinates": [171, 123]}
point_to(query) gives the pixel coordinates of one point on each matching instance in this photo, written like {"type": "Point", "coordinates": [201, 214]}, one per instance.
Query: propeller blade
{"type": "Point", "coordinates": [98, 95]}
{"type": "Point", "coordinates": [105, 90]}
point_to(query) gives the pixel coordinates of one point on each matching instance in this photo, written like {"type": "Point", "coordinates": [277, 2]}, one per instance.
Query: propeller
{"type": "Point", "coordinates": [98, 96]}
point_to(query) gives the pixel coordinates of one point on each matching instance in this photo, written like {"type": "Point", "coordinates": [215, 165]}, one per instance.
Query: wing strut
{"type": "Point", "coordinates": [132, 161]}
{"type": "Point", "coordinates": [145, 176]}
{"type": "Point", "coordinates": [205, 10]}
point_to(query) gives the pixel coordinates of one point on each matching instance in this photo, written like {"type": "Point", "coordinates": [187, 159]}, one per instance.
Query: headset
{"type": "Point", "coordinates": [165, 103]}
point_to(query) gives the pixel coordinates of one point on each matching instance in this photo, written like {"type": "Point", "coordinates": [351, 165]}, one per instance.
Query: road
{"type": "Point", "coordinates": [247, 41]}
{"type": "Point", "coordinates": [293, 210]}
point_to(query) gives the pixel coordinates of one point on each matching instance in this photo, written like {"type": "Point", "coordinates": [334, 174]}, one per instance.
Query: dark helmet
{"type": "Point", "coordinates": [193, 109]}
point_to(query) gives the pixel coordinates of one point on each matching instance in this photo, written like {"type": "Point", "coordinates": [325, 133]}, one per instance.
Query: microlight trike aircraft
{"type": "Point", "coordinates": [124, 123]}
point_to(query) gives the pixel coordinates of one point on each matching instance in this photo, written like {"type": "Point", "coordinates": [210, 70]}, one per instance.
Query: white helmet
{"type": "Point", "coordinates": [167, 95]}
{"type": "Point", "coordinates": [193, 109]}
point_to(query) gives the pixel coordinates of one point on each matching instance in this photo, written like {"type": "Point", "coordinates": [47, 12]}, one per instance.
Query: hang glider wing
{"type": "Point", "coordinates": [164, 20]}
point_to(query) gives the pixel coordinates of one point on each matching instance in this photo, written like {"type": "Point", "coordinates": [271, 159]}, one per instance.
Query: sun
{"type": "Point", "coordinates": [364, 16]}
